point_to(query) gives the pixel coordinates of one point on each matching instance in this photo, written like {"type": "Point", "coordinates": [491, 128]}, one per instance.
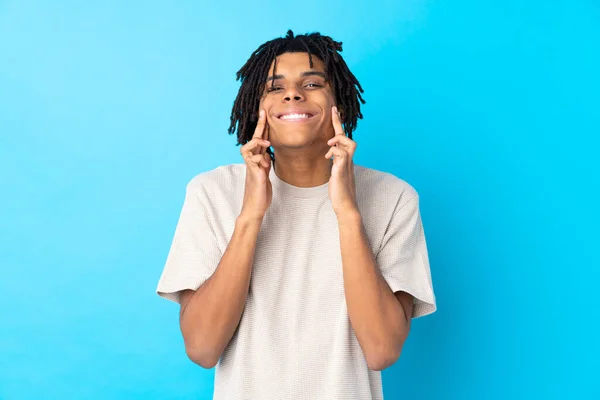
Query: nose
{"type": "Point", "coordinates": [293, 95]}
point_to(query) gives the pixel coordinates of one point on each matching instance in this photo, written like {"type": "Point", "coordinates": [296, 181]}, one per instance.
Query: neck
{"type": "Point", "coordinates": [303, 170]}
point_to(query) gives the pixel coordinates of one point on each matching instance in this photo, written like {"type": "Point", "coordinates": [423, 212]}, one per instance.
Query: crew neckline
{"type": "Point", "coordinates": [286, 189]}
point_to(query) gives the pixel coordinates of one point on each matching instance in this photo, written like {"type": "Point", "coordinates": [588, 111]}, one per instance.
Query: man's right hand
{"type": "Point", "coordinates": [258, 191]}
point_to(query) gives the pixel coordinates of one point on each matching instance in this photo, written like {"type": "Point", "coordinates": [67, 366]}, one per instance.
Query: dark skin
{"type": "Point", "coordinates": [300, 145]}
{"type": "Point", "coordinates": [311, 149]}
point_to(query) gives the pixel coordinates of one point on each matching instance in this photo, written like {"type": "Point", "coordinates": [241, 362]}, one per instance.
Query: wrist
{"type": "Point", "coordinates": [244, 221]}
{"type": "Point", "coordinates": [350, 215]}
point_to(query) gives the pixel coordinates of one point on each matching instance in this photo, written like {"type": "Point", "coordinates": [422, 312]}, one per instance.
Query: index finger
{"type": "Point", "coordinates": [266, 132]}
{"type": "Point", "coordinates": [260, 126]}
{"type": "Point", "coordinates": [335, 120]}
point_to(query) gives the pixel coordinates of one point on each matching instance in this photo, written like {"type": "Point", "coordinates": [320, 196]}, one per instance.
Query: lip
{"type": "Point", "coordinates": [311, 114]}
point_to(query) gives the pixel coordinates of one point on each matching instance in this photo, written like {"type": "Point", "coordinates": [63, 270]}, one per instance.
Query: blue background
{"type": "Point", "coordinates": [490, 109]}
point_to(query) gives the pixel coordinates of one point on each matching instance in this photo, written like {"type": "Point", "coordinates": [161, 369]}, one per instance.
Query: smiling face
{"type": "Point", "coordinates": [298, 101]}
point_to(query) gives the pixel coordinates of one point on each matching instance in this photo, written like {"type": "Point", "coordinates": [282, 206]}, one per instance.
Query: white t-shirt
{"type": "Point", "coordinates": [294, 339]}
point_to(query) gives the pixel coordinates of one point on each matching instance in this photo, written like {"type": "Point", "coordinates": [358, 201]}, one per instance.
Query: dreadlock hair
{"type": "Point", "coordinates": [253, 76]}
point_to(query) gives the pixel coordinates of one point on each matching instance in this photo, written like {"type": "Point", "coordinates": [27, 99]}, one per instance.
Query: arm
{"type": "Point", "coordinates": [380, 318]}
{"type": "Point", "coordinates": [210, 315]}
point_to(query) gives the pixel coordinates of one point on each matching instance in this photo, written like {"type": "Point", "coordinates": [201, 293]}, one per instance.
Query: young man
{"type": "Point", "coordinates": [297, 271]}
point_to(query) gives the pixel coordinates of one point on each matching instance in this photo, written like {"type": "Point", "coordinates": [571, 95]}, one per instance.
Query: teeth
{"type": "Point", "coordinates": [294, 116]}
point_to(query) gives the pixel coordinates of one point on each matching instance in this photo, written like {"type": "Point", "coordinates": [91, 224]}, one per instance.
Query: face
{"type": "Point", "coordinates": [298, 101]}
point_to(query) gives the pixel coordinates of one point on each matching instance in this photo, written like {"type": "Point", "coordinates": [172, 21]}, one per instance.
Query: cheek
{"type": "Point", "coordinates": [263, 100]}
{"type": "Point", "coordinates": [329, 102]}
{"type": "Point", "coordinates": [265, 104]}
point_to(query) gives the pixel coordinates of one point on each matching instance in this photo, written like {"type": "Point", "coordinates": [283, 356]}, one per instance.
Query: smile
{"type": "Point", "coordinates": [295, 117]}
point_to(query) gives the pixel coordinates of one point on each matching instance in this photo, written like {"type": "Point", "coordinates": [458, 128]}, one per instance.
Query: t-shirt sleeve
{"type": "Point", "coordinates": [403, 258]}
{"type": "Point", "coordinates": [194, 253]}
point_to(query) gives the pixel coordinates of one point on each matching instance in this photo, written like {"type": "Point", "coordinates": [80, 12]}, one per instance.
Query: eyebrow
{"type": "Point", "coordinates": [304, 74]}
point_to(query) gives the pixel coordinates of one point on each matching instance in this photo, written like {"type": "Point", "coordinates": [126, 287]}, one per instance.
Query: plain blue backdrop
{"type": "Point", "coordinates": [490, 109]}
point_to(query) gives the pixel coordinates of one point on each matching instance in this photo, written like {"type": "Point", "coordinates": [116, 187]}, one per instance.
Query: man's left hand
{"type": "Point", "coordinates": [342, 189]}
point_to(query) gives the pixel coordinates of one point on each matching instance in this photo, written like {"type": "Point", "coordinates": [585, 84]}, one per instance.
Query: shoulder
{"type": "Point", "coordinates": [383, 184]}
{"type": "Point", "coordinates": [217, 179]}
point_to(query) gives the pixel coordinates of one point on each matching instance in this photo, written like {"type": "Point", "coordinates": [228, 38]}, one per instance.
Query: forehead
{"type": "Point", "coordinates": [296, 63]}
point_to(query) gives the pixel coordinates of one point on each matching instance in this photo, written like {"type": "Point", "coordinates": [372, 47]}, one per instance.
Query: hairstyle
{"type": "Point", "coordinates": [253, 76]}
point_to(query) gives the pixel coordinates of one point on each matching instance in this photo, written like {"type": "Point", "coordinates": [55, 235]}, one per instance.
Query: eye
{"type": "Point", "coordinates": [273, 89]}
{"type": "Point", "coordinates": [313, 85]}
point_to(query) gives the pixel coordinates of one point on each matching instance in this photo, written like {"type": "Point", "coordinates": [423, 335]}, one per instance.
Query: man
{"type": "Point", "coordinates": [297, 272]}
